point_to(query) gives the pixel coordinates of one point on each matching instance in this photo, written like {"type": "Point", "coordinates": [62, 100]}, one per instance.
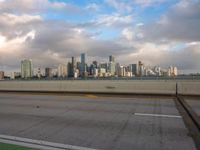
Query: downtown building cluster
{"type": "Point", "coordinates": [81, 69]}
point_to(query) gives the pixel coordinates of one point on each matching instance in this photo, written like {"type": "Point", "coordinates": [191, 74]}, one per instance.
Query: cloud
{"type": "Point", "coordinates": [93, 7]}
{"type": "Point", "coordinates": [11, 19]}
{"type": "Point", "coordinates": [180, 23]}
{"type": "Point", "coordinates": [148, 2]}
{"type": "Point", "coordinates": [25, 34]}
{"type": "Point", "coordinates": [49, 43]}
{"type": "Point", "coordinates": [115, 20]}
{"type": "Point", "coordinates": [120, 6]}
{"type": "Point", "coordinates": [36, 6]}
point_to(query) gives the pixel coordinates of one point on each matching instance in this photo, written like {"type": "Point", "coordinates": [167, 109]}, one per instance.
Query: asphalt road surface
{"type": "Point", "coordinates": [99, 122]}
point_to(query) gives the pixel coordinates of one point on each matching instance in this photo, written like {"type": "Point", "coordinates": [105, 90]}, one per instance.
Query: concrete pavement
{"type": "Point", "coordinates": [141, 123]}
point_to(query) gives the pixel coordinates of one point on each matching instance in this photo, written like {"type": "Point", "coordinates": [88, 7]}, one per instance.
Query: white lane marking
{"type": "Point", "coordinates": [39, 143]}
{"type": "Point", "coordinates": [29, 145]}
{"type": "Point", "coordinates": [157, 115]}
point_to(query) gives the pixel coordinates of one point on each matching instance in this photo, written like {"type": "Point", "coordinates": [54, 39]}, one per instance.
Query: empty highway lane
{"type": "Point", "coordinates": [96, 122]}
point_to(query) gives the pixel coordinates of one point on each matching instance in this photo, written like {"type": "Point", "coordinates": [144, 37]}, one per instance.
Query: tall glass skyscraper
{"type": "Point", "coordinates": [26, 68]}
{"type": "Point", "coordinates": [111, 65]}
{"type": "Point", "coordinates": [83, 63]}
{"type": "Point", "coordinates": [82, 58]}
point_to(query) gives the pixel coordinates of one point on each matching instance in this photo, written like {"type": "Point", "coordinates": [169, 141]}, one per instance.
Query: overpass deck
{"type": "Point", "coordinates": [94, 121]}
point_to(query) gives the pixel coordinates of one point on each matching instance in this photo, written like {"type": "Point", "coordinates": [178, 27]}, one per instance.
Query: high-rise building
{"type": "Point", "coordinates": [111, 58]}
{"type": "Point", "coordinates": [175, 71]}
{"type": "Point", "coordinates": [95, 63]}
{"type": "Point", "coordinates": [26, 68]}
{"type": "Point", "coordinates": [157, 71]}
{"type": "Point", "coordinates": [83, 65]}
{"type": "Point", "coordinates": [48, 72]}
{"type": "Point", "coordinates": [69, 69]}
{"type": "Point", "coordinates": [172, 71]}
{"type": "Point", "coordinates": [122, 72]}
{"type": "Point", "coordinates": [141, 68]}
{"type": "Point", "coordinates": [134, 68]}
{"type": "Point", "coordinates": [1, 75]}
{"type": "Point", "coordinates": [104, 65]}
{"type": "Point", "coordinates": [62, 71]}
{"type": "Point", "coordinates": [117, 69]}
{"type": "Point", "coordinates": [74, 66]}
{"type": "Point", "coordinates": [39, 73]}
{"type": "Point", "coordinates": [111, 68]}
{"type": "Point", "coordinates": [102, 72]}
{"type": "Point", "coordinates": [111, 65]}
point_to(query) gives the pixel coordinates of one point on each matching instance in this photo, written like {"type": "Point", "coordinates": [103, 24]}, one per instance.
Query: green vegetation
{"type": "Point", "coordinates": [4, 146]}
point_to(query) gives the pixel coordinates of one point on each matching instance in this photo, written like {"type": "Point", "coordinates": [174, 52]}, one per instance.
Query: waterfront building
{"type": "Point", "coordinates": [73, 67]}
{"type": "Point", "coordinates": [172, 71]}
{"type": "Point", "coordinates": [111, 66]}
{"type": "Point", "coordinates": [62, 71]}
{"type": "Point", "coordinates": [1, 75]}
{"type": "Point", "coordinates": [134, 69]}
{"type": "Point", "coordinates": [83, 66]}
{"type": "Point", "coordinates": [102, 72]}
{"type": "Point", "coordinates": [26, 68]}
{"type": "Point", "coordinates": [48, 72]}
{"type": "Point", "coordinates": [111, 58]}
{"type": "Point", "coordinates": [141, 69]}
{"type": "Point", "coordinates": [39, 73]}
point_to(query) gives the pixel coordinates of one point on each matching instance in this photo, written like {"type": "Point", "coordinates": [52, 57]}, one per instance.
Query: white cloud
{"type": "Point", "coordinates": [148, 2]}
{"type": "Point", "coordinates": [93, 7]}
{"type": "Point", "coordinates": [48, 42]}
{"type": "Point", "coordinates": [11, 19]}
{"type": "Point", "coordinates": [57, 5]}
{"type": "Point", "coordinates": [119, 5]}
{"type": "Point", "coordinates": [114, 19]}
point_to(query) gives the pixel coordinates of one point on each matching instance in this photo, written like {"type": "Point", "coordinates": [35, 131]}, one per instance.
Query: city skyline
{"type": "Point", "coordinates": [82, 69]}
{"type": "Point", "coordinates": [157, 32]}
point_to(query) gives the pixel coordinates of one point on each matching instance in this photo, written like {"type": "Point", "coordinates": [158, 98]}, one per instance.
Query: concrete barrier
{"type": "Point", "coordinates": [93, 86]}
{"type": "Point", "coordinates": [189, 87]}
{"type": "Point", "coordinates": [167, 87]}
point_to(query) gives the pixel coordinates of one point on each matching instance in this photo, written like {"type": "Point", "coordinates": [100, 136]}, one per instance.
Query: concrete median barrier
{"type": "Point", "coordinates": [93, 86]}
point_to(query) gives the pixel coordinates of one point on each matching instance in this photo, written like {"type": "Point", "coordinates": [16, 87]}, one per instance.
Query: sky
{"type": "Point", "coordinates": [157, 32]}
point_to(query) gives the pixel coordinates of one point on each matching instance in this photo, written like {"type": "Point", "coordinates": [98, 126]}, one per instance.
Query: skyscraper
{"type": "Point", "coordinates": [95, 63]}
{"type": "Point", "coordinates": [48, 72]}
{"type": "Point", "coordinates": [134, 69]}
{"type": "Point", "coordinates": [83, 58]}
{"type": "Point", "coordinates": [83, 64]}
{"type": "Point", "coordinates": [62, 70]}
{"type": "Point", "coordinates": [172, 71]}
{"type": "Point", "coordinates": [73, 67]}
{"type": "Point", "coordinates": [111, 68]}
{"type": "Point", "coordinates": [111, 65]}
{"type": "Point", "coordinates": [111, 58]}
{"type": "Point", "coordinates": [39, 73]}
{"type": "Point", "coordinates": [26, 68]}
{"type": "Point", "coordinates": [141, 68]}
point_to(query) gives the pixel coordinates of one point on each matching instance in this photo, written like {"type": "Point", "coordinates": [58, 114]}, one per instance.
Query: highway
{"type": "Point", "coordinates": [96, 121]}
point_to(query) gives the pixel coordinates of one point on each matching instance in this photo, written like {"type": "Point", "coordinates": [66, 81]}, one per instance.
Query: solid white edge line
{"type": "Point", "coordinates": [36, 143]}
{"type": "Point", "coordinates": [157, 115]}
{"type": "Point", "coordinates": [29, 145]}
